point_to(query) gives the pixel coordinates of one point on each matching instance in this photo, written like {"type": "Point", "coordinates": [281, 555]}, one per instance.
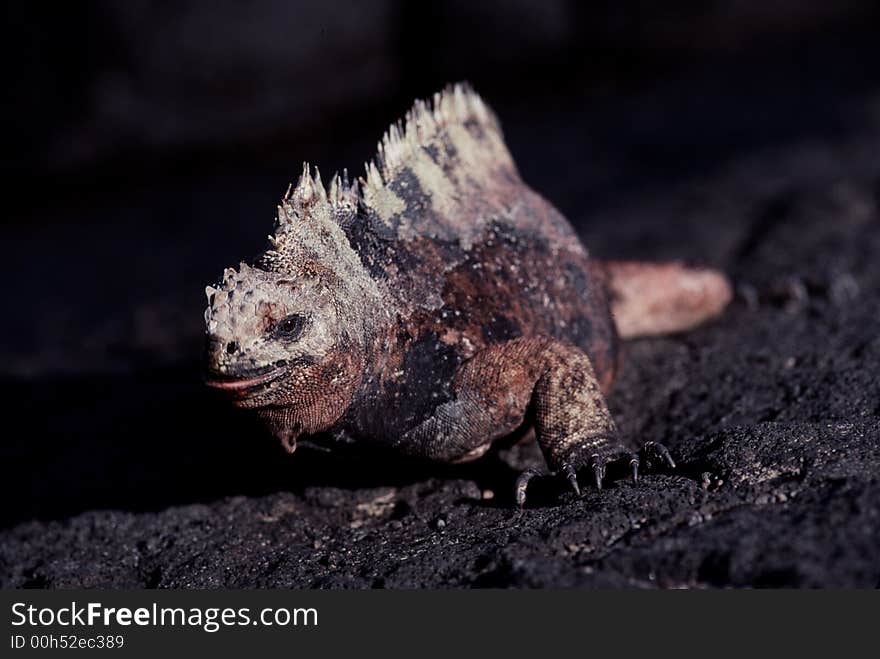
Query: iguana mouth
{"type": "Point", "coordinates": [247, 383]}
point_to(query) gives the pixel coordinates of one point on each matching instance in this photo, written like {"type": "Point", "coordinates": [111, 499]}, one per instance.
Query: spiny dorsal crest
{"type": "Point", "coordinates": [452, 146]}
{"type": "Point", "coordinates": [450, 113]}
{"type": "Point", "coordinates": [454, 149]}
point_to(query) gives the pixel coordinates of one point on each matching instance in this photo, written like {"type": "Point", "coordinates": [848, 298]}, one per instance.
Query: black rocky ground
{"type": "Point", "coordinates": [124, 472]}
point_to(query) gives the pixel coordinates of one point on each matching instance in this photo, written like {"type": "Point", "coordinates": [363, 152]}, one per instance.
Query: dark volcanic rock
{"type": "Point", "coordinates": [773, 414]}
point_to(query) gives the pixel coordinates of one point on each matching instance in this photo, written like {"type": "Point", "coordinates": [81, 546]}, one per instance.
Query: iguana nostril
{"type": "Point", "coordinates": [232, 347]}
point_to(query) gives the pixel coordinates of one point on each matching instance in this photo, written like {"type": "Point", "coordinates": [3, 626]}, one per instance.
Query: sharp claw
{"type": "Point", "coordinates": [571, 475]}
{"type": "Point", "coordinates": [655, 451]}
{"type": "Point", "coordinates": [522, 484]}
{"type": "Point", "coordinates": [521, 494]}
{"type": "Point", "coordinates": [597, 475]}
{"type": "Point", "coordinates": [634, 469]}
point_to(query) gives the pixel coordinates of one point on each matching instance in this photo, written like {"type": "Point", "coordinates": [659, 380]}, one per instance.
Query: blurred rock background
{"type": "Point", "coordinates": [107, 84]}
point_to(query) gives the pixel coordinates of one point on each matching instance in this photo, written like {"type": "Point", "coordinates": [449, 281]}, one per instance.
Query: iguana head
{"type": "Point", "coordinates": [293, 334]}
{"type": "Point", "coordinates": [289, 333]}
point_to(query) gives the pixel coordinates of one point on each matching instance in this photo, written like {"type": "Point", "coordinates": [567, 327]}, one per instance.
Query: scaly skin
{"type": "Point", "coordinates": [435, 306]}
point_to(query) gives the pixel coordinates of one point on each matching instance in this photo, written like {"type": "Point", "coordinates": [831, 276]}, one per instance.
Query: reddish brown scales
{"type": "Point", "coordinates": [436, 303]}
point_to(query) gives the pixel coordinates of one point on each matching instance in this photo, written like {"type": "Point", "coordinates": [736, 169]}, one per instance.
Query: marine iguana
{"type": "Point", "coordinates": [438, 304]}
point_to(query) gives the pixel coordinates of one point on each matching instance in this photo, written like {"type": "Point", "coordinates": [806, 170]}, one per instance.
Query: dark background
{"type": "Point", "coordinates": [148, 142]}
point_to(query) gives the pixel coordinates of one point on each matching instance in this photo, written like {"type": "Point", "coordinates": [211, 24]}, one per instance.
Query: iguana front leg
{"type": "Point", "coordinates": [495, 389]}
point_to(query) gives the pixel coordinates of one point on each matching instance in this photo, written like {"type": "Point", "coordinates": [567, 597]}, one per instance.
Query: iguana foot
{"type": "Point", "coordinates": [653, 455]}
{"type": "Point", "coordinates": [794, 292]}
{"type": "Point", "coordinates": [789, 293]}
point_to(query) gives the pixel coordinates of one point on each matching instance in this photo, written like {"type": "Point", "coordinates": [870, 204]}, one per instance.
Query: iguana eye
{"type": "Point", "coordinates": [291, 327]}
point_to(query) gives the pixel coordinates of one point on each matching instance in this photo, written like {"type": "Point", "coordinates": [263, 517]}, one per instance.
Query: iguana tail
{"type": "Point", "coordinates": [663, 298]}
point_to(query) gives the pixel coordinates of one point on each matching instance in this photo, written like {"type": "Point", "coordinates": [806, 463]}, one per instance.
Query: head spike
{"type": "Point", "coordinates": [333, 191]}
{"type": "Point", "coordinates": [304, 188]}
{"type": "Point", "coordinates": [318, 186]}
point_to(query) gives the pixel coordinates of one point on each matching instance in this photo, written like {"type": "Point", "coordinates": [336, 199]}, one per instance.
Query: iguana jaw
{"type": "Point", "coordinates": [253, 382]}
